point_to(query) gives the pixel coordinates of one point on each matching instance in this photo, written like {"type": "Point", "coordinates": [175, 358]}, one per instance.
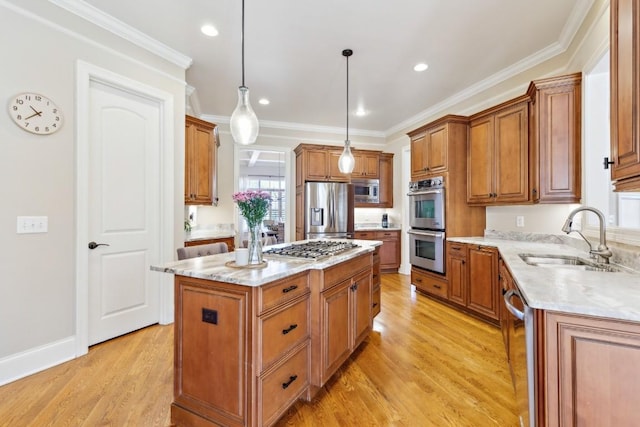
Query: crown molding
{"type": "Point", "coordinates": [119, 28]}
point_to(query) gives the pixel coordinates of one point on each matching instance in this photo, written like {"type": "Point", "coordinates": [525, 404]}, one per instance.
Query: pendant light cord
{"type": "Point", "coordinates": [242, 41]}
{"type": "Point", "coordinates": [347, 98]}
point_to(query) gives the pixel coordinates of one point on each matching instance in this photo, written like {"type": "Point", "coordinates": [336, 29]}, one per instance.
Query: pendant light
{"type": "Point", "coordinates": [346, 162]}
{"type": "Point", "coordinates": [244, 123]}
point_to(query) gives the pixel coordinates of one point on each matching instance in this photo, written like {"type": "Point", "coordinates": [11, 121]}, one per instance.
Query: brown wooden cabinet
{"type": "Point", "coordinates": [591, 372]}
{"type": "Point", "coordinates": [483, 291]}
{"type": "Point", "coordinates": [386, 180]}
{"type": "Point", "coordinates": [230, 241]}
{"type": "Point", "coordinates": [498, 155]}
{"type": "Point", "coordinates": [390, 249]}
{"type": "Point", "coordinates": [376, 292]}
{"type": "Point", "coordinates": [625, 94]}
{"type": "Point", "coordinates": [319, 163]}
{"type": "Point", "coordinates": [200, 162]}
{"type": "Point", "coordinates": [232, 354]}
{"type": "Point", "coordinates": [430, 283]}
{"type": "Point", "coordinates": [342, 308]}
{"type": "Point", "coordinates": [367, 164]}
{"type": "Point", "coordinates": [555, 117]}
{"type": "Point", "coordinates": [458, 272]}
{"type": "Point", "coordinates": [429, 151]}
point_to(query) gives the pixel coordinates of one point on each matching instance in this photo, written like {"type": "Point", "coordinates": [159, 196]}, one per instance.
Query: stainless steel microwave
{"type": "Point", "coordinates": [366, 190]}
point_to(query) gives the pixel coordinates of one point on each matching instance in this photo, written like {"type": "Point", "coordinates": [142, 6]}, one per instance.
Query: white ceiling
{"type": "Point", "coordinates": [293, 52]}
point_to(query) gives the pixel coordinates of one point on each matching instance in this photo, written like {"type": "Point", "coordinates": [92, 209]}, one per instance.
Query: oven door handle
{"type": "Point", "coordinates": [418, 193]}
{"type": "Point", "coordinates": [437, 235]}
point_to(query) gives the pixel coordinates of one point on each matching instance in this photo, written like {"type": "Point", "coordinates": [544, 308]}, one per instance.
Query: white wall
{"type": "Point", "coordinates": [37, 271]}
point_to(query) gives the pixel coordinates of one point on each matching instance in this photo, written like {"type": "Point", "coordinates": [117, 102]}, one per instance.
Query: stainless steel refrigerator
{"type": "Point", "coordinates": [328, 210]}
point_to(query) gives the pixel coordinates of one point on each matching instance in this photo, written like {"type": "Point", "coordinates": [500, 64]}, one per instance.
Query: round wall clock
{"type": "Point", "coordinates": [35, 113]}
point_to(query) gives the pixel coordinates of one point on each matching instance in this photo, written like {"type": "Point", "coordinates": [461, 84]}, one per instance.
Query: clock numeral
{"type": "Point", "coordinates": [57, 118]}
{"type": "Point", "coordinates": [38, 98]}
{"type": "Point", "coordinates": [15, 108]}
{"type": "Point", "coordinates": [37, 128]}
{"type": "Point", "coordinates": [19, 101]}
{"type": "Point", "coordinates": [27, 97]}
{"type": "Point", "coordinates": [55, 125]}
{"type": "Point", "coordinates": [46, 129]}
{"type": "Point", "coordinates": [55, 110]}
{"type": "Point", "coordinates": [26, 124]}
{"type": "Point", "coordinates": [19, 117]}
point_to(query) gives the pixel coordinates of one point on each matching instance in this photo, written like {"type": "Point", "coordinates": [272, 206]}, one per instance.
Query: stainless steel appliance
{"type": "Point", "coordinates": [427, 221]}
{"type": "Point", "coordinates": [313, 250]}
{"type": "Point", "coordinates": [329, 210]}
{"type": "Point", "coordinates": [521, 355]}
{"type": "Point", "coordinates": [366, 190]}
{"type": "Point", "coordinates": [427, 204]}
{"type": "Point", "coordinates": [426, 249]}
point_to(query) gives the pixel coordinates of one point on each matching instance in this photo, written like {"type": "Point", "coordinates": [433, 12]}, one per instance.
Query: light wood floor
{"type": "Point", "coordinates": [423, 365]}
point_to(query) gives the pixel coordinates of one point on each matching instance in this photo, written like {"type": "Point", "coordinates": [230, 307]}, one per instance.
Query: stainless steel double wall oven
{"type": "Point", "coordinates": [427, 220]}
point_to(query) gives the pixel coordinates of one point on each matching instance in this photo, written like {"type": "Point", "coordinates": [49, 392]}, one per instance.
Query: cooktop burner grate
{"type": "Point", "coordinates": [313, 250]}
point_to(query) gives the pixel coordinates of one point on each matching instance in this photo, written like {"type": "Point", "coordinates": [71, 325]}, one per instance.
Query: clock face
{"type": "Point", "coordinates": [35, 113]}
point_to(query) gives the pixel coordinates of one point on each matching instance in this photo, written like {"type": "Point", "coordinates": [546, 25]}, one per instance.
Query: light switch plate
{"type": "Point", "coordinates": [519, 221]}
{"type": "Point", "coordinates": [32, 224]}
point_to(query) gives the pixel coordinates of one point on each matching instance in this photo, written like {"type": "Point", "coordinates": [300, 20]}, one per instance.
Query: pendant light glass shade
{"type": "Point", "coordinates": [346, 162]}
{"type": "Point", "coordinates": [244, 122]}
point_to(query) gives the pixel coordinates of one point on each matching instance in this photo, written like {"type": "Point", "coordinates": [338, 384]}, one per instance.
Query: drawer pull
{"type": "Point", "coordinates": [289, 329]}
{"type": "Point", "coordinates": [455, 248]}
{"type": "Point", "coordinates": [289, 289]}
{"type": "Point", "coordinates": [375, 304]}
{"type": "Point", "coordinates": [419, 280]}
{"type": "Point", "coordinates": [437, 286]}
{"type": "Point", "coordinates": [292, 378]}
{"type": "Point", "coordinates": [354, 287]}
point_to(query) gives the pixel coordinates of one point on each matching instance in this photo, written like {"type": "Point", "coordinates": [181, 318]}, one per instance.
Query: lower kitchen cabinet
{"type": "Point", "coordinates": [342, 301]}
{"type": "Point", "coordinates": [230, 241]}
{"type": "Point", "coordinates": [457, 272]}
{"type": "Point", "coordinates": [591, 372]}
{"type": "Point", "coordinates": [430, 283]}
{"type": "Point", "coordinates": [390, 249]}
{"type": "Point", "coordinates": [376, 296]}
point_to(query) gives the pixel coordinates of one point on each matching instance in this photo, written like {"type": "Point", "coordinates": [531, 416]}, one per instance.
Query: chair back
{"type": "Point", "coordinates": [202, 250]}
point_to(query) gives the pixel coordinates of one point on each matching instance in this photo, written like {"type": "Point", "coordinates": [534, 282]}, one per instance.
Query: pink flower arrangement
{"type": "Point", "coordinates": [253, 205]}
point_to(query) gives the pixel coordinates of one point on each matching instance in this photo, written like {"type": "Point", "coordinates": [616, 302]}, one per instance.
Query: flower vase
{"type": "Point", "coordinates": [255, 245]}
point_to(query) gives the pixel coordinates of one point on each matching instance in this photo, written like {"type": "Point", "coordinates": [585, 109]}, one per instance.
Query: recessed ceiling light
{"type": "Point", "coordinates": [420, 67]}
{"type": "Point", "coordinates": [263, 101]}
{"type": "Point", "coordinates": [209, 30]}
{"type": "Point", "coordinates": [361, 112]}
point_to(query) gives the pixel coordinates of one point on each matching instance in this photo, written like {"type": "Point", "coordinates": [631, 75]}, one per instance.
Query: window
{"type": "Point", "coordinates": [275, 186]}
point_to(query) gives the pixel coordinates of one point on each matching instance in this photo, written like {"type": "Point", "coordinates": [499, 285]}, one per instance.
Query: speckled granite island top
{"type": "Point", "coordinates": [213, 267]}
{"type": "Point", "coordinates": [595, 293]}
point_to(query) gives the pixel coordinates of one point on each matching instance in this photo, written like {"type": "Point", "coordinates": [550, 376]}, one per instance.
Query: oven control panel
{"type": "Point", "coordinates": [425, 184]}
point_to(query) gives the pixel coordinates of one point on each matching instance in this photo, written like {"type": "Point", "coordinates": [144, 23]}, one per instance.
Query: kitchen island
{"type": "Point", "coordinates": [251, 341]}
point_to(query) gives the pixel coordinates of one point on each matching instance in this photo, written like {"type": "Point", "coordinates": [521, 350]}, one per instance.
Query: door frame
{"type": "Point", "coordinates": [86, 74]}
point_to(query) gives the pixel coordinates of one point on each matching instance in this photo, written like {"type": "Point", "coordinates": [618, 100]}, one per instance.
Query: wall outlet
{"type": "Point", "coordinates": [519, 221]}
{"type": "Point", "coordinates": [32, 224]}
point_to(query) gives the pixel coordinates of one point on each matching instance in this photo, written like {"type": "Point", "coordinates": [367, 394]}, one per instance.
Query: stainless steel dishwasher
{"type": "Point", "coordinates": [521, 355]}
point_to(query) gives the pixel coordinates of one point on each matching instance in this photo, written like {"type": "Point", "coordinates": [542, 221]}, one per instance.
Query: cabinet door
{"type": "Point", "coordinates": [336, 328]}
{"type": "Point", "coordinates": [361, 306]}
{"type": "Point", "coordinates": [316, 165]}
{"type": "Point", "coordinates": [386, 180]}
{"type": "Point", "coordinates": [390, 250]}
{"type": "Point", "coordinates": [437, 149]}
{"type": "Point", "coordinates": [199, 163]}
{"type": "Point", "coordinates": [483, 281]}
{"type": "Point", "coordinates": [592, 371]}
{"type": "Point", "coordinates": [300, 213]}
{"type": "Point", "coordinates": [418, 157]}
{"type": "Point", "coordinates": [625, 94]}
{"type": "Point", "coordinates": [511, 155]}
{"type": "Point", "coordinates": [334, 172]}
{"type": "Point", "coordinates": [457, 271]}
{"type": "Point", "coordinates": [480, 161]}
{"type": "Point", "coordinates": [366, 165]}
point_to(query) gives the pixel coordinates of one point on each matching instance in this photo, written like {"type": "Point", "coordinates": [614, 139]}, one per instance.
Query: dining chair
{"type": "Point", "coordinates": [202, 250]}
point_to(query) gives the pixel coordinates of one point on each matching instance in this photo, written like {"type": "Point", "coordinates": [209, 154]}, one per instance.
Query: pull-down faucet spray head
{"type": "Point", "coordinates": [567, 225]}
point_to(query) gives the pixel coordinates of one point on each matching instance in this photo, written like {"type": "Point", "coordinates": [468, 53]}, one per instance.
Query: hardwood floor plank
{"type": "Point", "coordinates": [424, 364]}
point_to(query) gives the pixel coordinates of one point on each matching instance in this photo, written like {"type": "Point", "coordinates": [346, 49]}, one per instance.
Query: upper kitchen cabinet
{"type": "Point", "coordinates": [625, 94]}
{"type": "Point", "coordinates": [429, 149]}
{"type": "Point", "coordinates": [555, 125]}
{"type": "Point", "coordinates": [318, 163]}
{"type": "Point", "coordinates": [367, 164]}
{"type": "Point", "coordinates": [386, 180]}
{"type": "Point", "coordinates": [498, 154]}
{"type": "Point", "coordinates": [201, 148]}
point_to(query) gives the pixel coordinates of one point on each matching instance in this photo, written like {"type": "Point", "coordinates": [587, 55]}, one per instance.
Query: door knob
{"type": "Point", "coordinates": [93, 245]}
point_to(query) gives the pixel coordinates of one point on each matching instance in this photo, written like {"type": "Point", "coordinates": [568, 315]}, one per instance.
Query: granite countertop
{"type": "Point", "coordinates": [376, 227]}
{"type": "Point", "coordinates": [604, 294]}
{"type": "Point", "coordinates": [213, 267]}
{"type": "Point", "coordinates": [195, 235]}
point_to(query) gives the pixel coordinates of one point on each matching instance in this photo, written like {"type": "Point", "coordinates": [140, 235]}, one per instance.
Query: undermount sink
{"type": "Point", "coordinates": [569, 262]}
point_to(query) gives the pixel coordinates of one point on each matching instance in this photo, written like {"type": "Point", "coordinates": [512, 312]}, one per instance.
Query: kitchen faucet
{"type": "Point", "coordinates": [603, 251]}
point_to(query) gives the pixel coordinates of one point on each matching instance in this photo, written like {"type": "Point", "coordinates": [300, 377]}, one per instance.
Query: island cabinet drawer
{"type": "Point", "coordinates": [282, 330]}
{"type": "Point", "coordinates": [282, 386]}
{"type": "Point", "coordinates": [346, 270]}
{"type": "Point", "coordinates": [282, 291]}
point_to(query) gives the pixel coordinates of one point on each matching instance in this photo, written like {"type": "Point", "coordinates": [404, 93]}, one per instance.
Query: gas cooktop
{"type": "Point", "coordinates": [313, 250]}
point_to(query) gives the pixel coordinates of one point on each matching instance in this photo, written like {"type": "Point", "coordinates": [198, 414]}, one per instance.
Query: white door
{"type": "Point", "coordinates": [124, 204]}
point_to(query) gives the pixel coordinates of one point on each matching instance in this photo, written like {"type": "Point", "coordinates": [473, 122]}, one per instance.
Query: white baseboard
{"type": "Point", "coordinates": [37, 359]}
